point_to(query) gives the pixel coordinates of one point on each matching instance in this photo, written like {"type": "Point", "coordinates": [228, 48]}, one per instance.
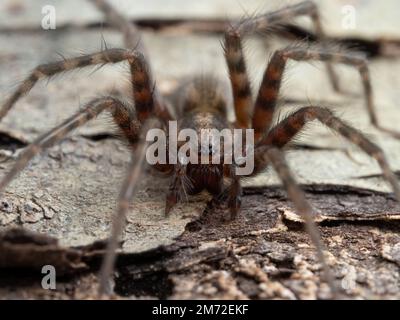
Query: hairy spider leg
{"type": "Point", "coordinates": [269, 89]}
{"type": "Point", "coordinates": [234, 54]}
{"type": "Point", "coordinates": [141, 85]}
{"type": "Point", "coordinates": [132, 40]}
{"type": "Point", "coordinates": [284, 131]}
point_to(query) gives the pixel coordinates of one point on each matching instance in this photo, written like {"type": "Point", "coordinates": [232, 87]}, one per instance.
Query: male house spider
{"type": "Point", "coordinates": [204, 106]}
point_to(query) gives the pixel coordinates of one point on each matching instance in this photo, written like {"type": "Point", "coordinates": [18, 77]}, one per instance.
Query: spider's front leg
{"type": "Point", "coordinates": [179, 184]}
{"type": "Point", "coordinates": [234, 54]}
{"type": "Point", "coordinates": [127, 192]}
{"type": "Point", "coordinates": [284, 132]}
{"type": "Point", "coordinates": [92, 109]}
{"type": "Point", "coordinates": [125, 116]}
{"type": "Point", "coordinates": [269, 155]}
{"type": "Point", "coordinates": [231, 196]}
{"type": "Point", "coordinates": [234, 197]}
{"type": "Point", "coordinates": [267, 152]}
{"type": "Point", "coordinates": [120, 111]}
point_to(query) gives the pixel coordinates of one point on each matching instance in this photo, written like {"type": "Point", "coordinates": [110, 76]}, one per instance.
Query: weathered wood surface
{"type": "Point", "coordinates": [69, 192]}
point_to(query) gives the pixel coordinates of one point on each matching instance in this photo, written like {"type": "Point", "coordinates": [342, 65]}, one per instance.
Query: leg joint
{"type": "Point", "coordinates": [311, 113]}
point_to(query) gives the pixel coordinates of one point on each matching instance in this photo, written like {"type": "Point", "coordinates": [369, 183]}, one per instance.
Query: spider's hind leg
{"type": "Point", "coordinates": [129, 30]}
{"type": "Point", "coordinates": [133, 41]}
{"type": "Point", "coordinates": [234, 53]}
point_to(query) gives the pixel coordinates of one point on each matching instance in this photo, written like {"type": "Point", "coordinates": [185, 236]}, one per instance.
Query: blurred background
{"type": "Point", "coordinates": [183, 39]}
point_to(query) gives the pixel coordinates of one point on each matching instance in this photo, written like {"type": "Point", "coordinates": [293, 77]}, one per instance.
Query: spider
{"type": "Point", "coordinates": [203, 105]}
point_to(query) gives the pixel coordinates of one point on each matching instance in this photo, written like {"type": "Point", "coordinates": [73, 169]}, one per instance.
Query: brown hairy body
{"type": "Point", "coordinates": [202, 106]}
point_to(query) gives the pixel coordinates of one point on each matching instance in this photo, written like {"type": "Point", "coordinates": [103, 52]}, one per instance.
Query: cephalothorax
{"type": "Point", "coordinates": [202, 105]}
